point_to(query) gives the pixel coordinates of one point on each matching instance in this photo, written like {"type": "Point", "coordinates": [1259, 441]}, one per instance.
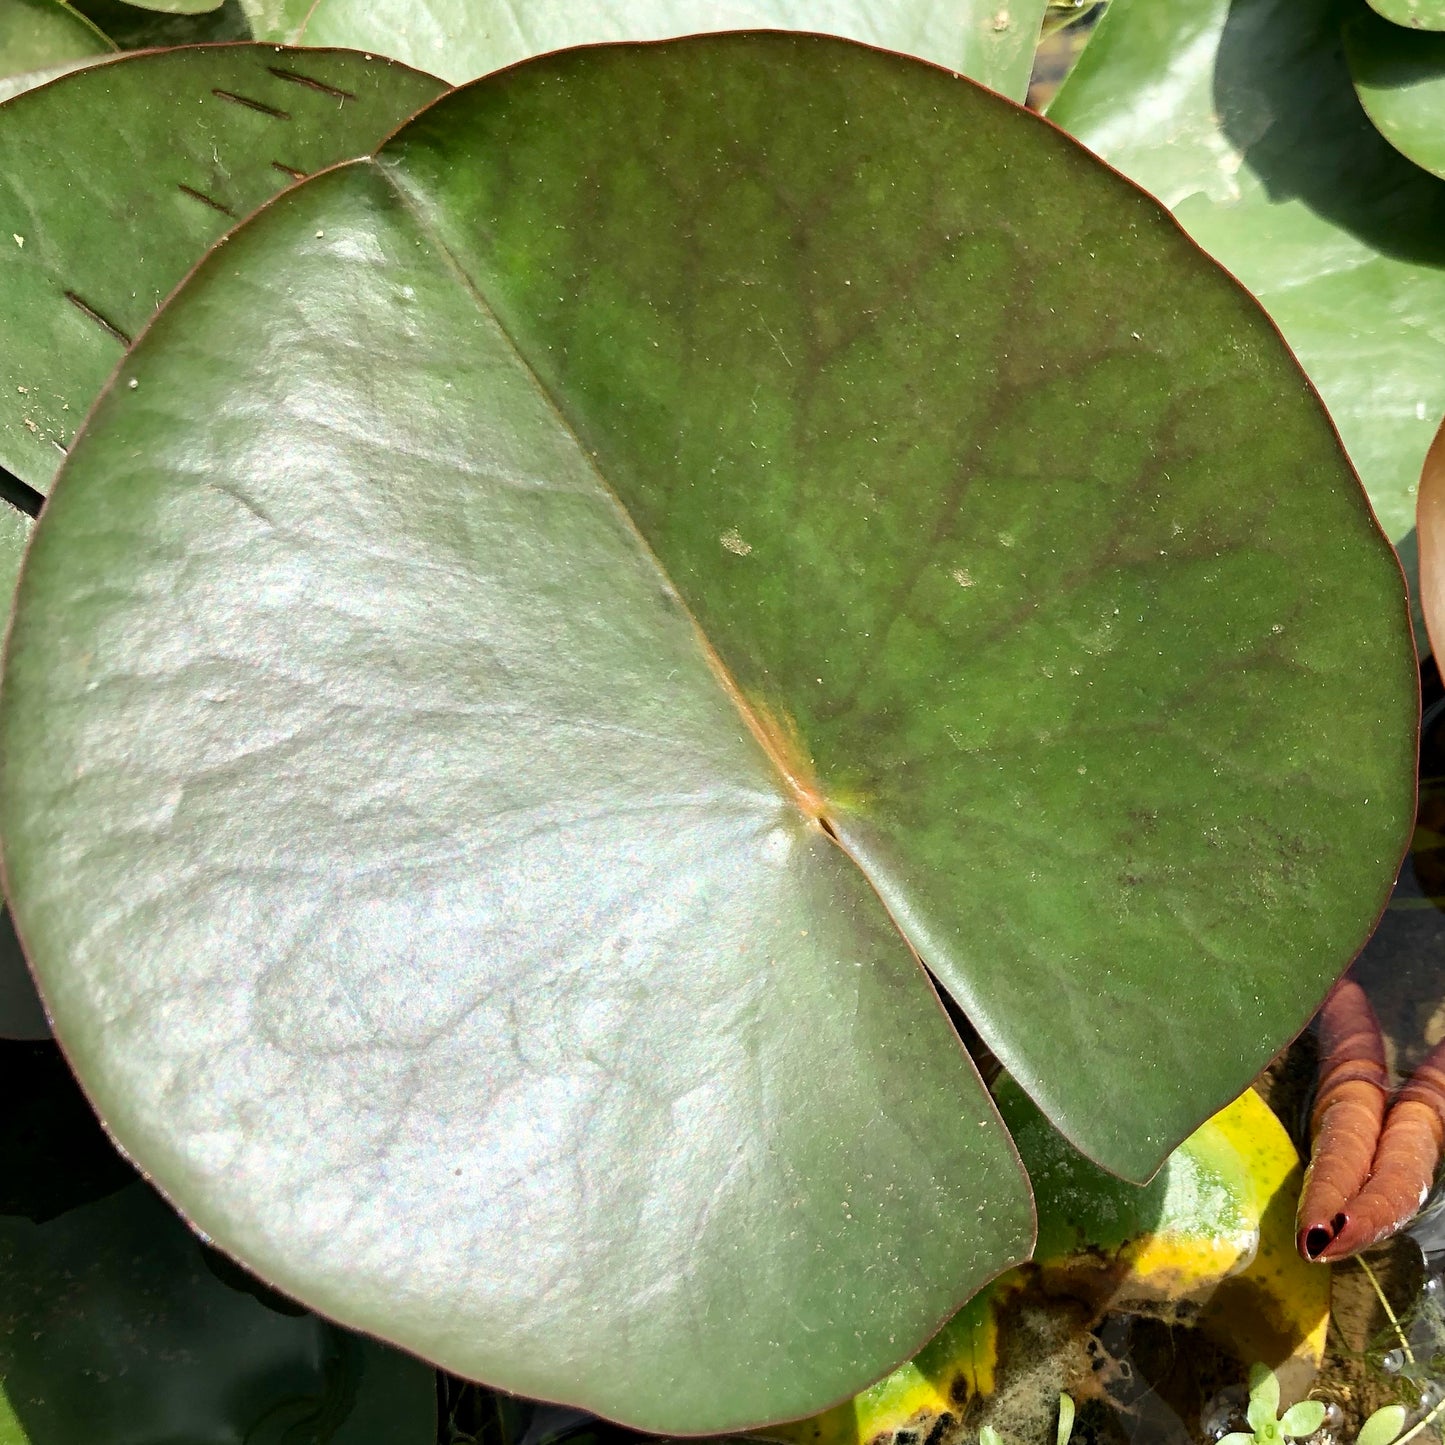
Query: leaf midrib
{"type": "Point", "coordinates": [789, 763]}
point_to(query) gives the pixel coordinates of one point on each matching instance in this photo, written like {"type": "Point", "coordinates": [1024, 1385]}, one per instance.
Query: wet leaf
{"type": "Point", "coordinates": [1399, 76]}
{"type": "Point", "coordinates": [38, 34]}
{"type": "Point", "coordinates": [515, 688]}
{"type": "Point", "coordinates": [991, 40]}
{"type": "Point", "coordinates": [1243, 120]}
{"type": "Point", "coordinates": [114, 180]}
{"type": "Point", "coordinates": [1216, 1225]}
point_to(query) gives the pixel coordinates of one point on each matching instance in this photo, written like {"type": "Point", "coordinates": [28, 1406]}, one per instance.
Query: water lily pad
{"type": "Point", "coordinates": [1399, 76]}
{"type": "Point", "coordinates": [502, 698]}
{"type": "Point", "coordinates": [114, 180]}
{"type": "Point", "coordinates": [1243, 119]}
{"type": "Point", "coordinates": [991, 40]}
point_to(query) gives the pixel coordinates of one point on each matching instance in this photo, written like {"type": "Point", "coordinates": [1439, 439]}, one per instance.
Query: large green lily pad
{"type": "Point", "coordinates": [1242, 118]}
{"type": "Point", "coordinates": [991, 40]}
{"type": "Point", "coordinates": [549, 620]}
{"type": "Point", "coordinates": [1399, 76]}
{"type": "Point", "coordinates": [114, 180]}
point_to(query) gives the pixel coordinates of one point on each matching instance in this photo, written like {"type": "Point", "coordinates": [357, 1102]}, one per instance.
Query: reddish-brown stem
{"type": "Point", "coordinates": [1348, 1114]}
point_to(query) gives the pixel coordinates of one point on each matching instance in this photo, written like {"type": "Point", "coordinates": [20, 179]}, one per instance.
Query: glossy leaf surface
{"type": "Point", "coordinates": [991, 40]}
{"type": "Point", "coordinates": [486, 602]}
{"type": "Point", "coordinates": [1399, 75]}
{"type": "Point", "coordinates": [1243, 120]}
{"type": "Point", "coordinates": [114, 180]}
{"type": "Point", "coordinates": [36, 34]}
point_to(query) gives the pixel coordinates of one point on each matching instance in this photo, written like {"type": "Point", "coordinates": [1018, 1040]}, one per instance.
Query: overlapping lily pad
{"type": "Point", "coordinates": [551, 619]}
{"type": "Point", "coordinates": [991, 40]}
{"type": "Point", "coordinates": [1242, 118]}
{"type": "Point", "coordinates": [115, 180]}
{"type": "Point", "coordinates": [1399, 75]}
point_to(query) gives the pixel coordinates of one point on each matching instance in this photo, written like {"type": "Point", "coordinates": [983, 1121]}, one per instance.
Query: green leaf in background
{"type": "Point", "coordinates": [177, 7]}
{"type": "Point", "coordinates": [134, 29]}
{"type": "Point", "coordinates": [1399, 76]}
{"type": "Point", "coordinates": [1383, 1426]}
{"type": "Point", "coordinates": [43, 34]}
{"type": "Point", "coordinates": [1414, 14]}
{"type": "Point", "coordinates": [991, 40]}
{"type": "Point", "coordinates": [113, 1327]}
{"type": "Point", "coordinates": [13, 85]}
{"type": "Point", "coordinates": [116, 1323]}
{"type": "Point", "coordinates": [488, 590]}
{"type": "Point", "coordinates": [1242, 119]}
{"type": "Point", "coordinates": [16, 509]}
{"type": "Point", "coordinates": [114, 180]}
